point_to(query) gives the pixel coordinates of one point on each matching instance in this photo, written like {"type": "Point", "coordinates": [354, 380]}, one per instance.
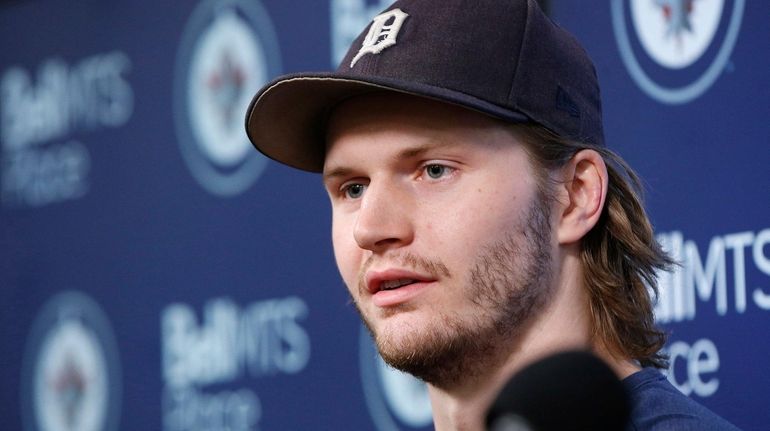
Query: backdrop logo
{"type": "Point", "coordinates": [396, 400]}
{"type": "Point", "coordinates": [44, 114]}
{"type": "Point", "coordinates": [726, 278]}
{"type": "Point", "coordinates": [676, 49]}
{"type": "Point", "coordinates": [203, 358]}
{"type": "Point", "coordinates": [228, 51]}
{"type": "Point", "coordinates": [71, 377]}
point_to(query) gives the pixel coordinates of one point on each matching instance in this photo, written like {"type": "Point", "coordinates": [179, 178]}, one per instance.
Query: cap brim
{"type": "Point", "coordinates": [287, 119]}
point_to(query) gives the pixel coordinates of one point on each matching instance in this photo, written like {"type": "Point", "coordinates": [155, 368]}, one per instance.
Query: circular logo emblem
{"type": "Point", "coordinates": [71, 377]}
{"type": "Point", "coordinates": [676, 49]}
{"type": "Point", "coordinates": [228, 51]}
{"type": "Point", "coordinates": [396, 400]}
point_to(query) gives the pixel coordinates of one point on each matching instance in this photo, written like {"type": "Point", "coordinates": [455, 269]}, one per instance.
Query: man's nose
{"type": "Point", "coordinates": [384, 218]}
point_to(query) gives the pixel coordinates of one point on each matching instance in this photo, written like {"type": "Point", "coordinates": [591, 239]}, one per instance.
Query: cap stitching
{"type": "Point", "coordinates": [515, 73]}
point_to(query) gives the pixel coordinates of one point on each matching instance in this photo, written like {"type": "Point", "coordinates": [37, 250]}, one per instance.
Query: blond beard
{"type": "Point", "coordinates": [508, 284]}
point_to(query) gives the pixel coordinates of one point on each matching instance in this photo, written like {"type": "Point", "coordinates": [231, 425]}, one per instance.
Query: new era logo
{"type": "Point", "coordinates": [382, 33]}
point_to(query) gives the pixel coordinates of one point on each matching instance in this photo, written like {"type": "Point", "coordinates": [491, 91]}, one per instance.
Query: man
{"type": "Point", "coordinates": [479, 222]}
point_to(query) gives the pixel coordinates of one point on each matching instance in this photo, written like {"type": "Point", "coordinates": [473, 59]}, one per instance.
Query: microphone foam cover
{"type": "Point", "coordinates": [566, 391]}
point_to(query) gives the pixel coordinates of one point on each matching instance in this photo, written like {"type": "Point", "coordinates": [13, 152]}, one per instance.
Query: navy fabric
{"type": "Point", "coordinates": [657, 406]}
{"type": "Point", "coordinates": [503, 58]}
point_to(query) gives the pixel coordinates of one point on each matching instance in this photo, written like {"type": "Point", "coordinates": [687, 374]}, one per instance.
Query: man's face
{"type": "Point", "coordinates": [439, 231]}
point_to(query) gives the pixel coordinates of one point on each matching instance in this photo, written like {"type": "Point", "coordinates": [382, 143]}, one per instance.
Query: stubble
{"type": "Point", "coordinates": [508, 285]}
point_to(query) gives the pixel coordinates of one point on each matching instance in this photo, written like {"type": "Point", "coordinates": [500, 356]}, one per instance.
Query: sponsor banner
{"type": "Point", "coordinates": [728, 279]}
{"type": "Point", "coordinates": [41, 113]}
{"type": "Point", "coordinates": [701, 280]}
{"type": "Point", "coordinates": [209, 365]}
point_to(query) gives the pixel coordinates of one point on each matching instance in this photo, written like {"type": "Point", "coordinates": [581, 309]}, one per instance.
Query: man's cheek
{"type": "Point", "coordinates": [346, 265]}
{"type": "Point", "coordinates": [340, 251]}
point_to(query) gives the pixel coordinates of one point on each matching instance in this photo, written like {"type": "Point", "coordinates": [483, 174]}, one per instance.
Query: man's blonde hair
{"type": "Point", "coordinates": [620, 256]}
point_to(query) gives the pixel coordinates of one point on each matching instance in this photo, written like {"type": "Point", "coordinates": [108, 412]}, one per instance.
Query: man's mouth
{"type": "Point", "coordinates": [393, 279]}
{"type": "Point", "coordinates": [395, 284]}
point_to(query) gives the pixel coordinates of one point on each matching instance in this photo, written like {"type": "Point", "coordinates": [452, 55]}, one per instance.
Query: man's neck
{"type": "Point", "coordinates": [463, 406]}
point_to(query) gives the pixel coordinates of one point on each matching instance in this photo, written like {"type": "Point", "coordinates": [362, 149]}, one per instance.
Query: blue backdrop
{"type": "Point", "coordinates": [156, 273]}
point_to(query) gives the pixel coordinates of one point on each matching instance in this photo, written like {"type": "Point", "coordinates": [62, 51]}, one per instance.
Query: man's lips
{"type": "Point", "coordinates": [393, 287]}
{"type": "Point", "coordinates": [392, 279]}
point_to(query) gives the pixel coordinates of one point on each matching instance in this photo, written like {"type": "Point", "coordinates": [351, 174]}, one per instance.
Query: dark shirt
{"type": "Point", "coordinates": [657, 406]}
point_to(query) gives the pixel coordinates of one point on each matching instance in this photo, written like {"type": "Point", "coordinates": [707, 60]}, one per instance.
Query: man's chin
{"type": "Point", "coordinates": [400, 333]}
{"type": "Point", "coordinates": [423, 342]}
{"type": "Point", "coordinates": [427, 350]}
{"type": "Point", "coordinates": [392, 319]}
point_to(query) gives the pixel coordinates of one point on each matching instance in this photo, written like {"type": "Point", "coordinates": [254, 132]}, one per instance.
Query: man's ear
{"type": "Point", "coordinates": [582, 195]}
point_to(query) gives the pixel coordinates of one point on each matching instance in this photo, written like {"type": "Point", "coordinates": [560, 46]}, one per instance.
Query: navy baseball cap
{"type": "Point", "coordinates": [503, 58]}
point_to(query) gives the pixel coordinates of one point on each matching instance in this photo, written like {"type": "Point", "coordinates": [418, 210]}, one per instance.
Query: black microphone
{"type": "Point", "coordinates": [566, 391]}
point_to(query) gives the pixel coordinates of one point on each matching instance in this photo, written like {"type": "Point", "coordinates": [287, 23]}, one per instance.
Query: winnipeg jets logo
{"type": "Point", "coordinates": [677, 16]}
{"type": "Point", "coordinates": [382, 33]}
{"type": "Point", "coordinates": [676, 35]}
{"type": "Point", "coordinates": [226, 84]}
{"type": "Point", "coordinates": [228, 51]}
{"type": "Point", "coordinates": [71, 378]}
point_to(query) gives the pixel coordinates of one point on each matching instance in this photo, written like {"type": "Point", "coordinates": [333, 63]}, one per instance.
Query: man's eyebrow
{"type": "Point", "coordinates": [418, 150]}
{"type": "Point", "coordinates": [405, 154]}
{"type": "Point", "coordinates": [337, 172]}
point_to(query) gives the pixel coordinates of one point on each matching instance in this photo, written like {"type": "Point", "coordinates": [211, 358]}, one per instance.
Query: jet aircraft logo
{"type": "Point", "coordinates": [228, 51]}
{"type": "Point", "coordinates": [71, 378]}
{"type": "Point", "coordinates": [675, 50]}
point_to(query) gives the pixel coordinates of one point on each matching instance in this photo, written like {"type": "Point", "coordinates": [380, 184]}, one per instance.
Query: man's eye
{"type": "Point", "coordinates": [354, 191]}
{"type": "Point", "coordinates": [436, 171]}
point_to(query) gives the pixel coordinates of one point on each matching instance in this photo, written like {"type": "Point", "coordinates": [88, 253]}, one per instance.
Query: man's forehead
{"type": "Point", "coordinates": [410, 127]}
{"type": "Point", "coordinates": [406, 152]}
{"type": "Point", "coordinates": [369, 113]}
